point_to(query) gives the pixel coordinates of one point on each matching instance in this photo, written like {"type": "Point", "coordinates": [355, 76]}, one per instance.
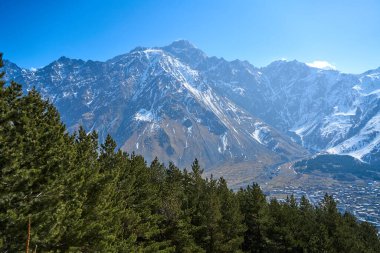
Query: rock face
{"type": "Point", "coordinates": [177, 103]}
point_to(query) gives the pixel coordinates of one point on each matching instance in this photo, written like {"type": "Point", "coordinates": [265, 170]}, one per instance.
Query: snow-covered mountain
{"type": "Point", "coordinates": [154, 104]}
{"type": "Point", "coordinates": [323, 110]}
{"type": "Point", "coordinates": [177, 103]}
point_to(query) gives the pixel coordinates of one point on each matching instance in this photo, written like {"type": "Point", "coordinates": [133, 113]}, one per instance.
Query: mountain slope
{"type": "Point", "coordinates": [177, 103]}
{"type": "Point", "coordinates": [323, 110]}
{"type": "Point", "coordinates": [156, 105]}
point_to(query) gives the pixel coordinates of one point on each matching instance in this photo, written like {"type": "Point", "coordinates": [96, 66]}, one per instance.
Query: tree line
{"type": "Point", "coordinates": [77, 195]}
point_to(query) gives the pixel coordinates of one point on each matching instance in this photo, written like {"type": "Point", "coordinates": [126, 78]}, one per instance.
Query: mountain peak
{"type": "Point", "coordinates": [63, 59]}
{"type": "Point", "coordinates": [286, 63]}
{"type": "Point", "coordinates": [181, 44]}
{"type": "Point", "coordinates": [186, 52]}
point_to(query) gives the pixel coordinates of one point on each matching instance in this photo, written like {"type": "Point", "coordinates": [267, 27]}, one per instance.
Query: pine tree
{"type": "Point", "coordinates": [34, 151]}
{"type": "Point", "coordinates": [307, 232]}
{"type": "Point", "coordinates": [254, 208]}
{"type": "Point", "coordinates": [210, 207]}
{"type": "Point", "coordinates": [145, 203]}
{"type": "Point", "coordinates": [176, 220]}
{"type": "Point", "coordinates": [231, 222]}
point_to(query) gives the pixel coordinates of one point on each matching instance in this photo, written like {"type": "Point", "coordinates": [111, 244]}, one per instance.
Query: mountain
{"type": "Point", "coordinates": [324, 110]}
{"type": "Point", "coordinates": [177, 103]}
{"type": "Point", "coordinates": [155, 104]}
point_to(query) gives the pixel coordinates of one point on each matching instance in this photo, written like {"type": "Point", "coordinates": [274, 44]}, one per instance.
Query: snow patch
{"type": "Point", "coordinates": [260, 132]}
{"type": "Point", "coordinates": [66, 94]}
{"type": "Point", "coordinates": [239, 90]}
{"type": "Point", "coordinates": [144, 115]}
{"type": "Point", "coordinates": [223, 139]}
{"type": "Point", "coordinates": [350, 112]}
{"type": "Point", "coordinates": [357, 88]}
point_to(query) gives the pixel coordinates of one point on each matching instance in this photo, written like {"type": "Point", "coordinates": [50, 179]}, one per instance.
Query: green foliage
{"type": "Point", "coordinates": [82, 197]}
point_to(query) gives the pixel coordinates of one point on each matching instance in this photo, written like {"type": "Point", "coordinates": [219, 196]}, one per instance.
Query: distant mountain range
{"type": "Point", "coordinates": [176, 103]}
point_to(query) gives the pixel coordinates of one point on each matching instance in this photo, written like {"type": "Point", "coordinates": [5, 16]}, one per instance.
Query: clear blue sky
{"type": "Point", "coordinates": [345, 33]}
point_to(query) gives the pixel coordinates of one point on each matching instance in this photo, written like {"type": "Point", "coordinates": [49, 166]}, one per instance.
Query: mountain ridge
{"type": "Point", "coordinates": [165, 91]}
{"type": "Point", "coordinates": [152, 73]}
{"type": "Point", "coordinates": [184, 43]}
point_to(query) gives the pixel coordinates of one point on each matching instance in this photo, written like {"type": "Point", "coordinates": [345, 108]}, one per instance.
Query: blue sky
{"type": "Point", "coordinates": [345, 33]}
